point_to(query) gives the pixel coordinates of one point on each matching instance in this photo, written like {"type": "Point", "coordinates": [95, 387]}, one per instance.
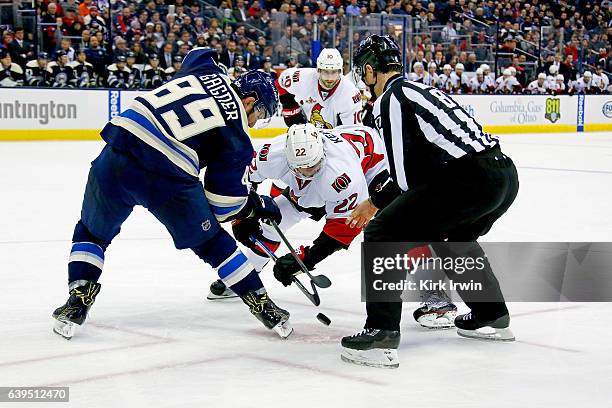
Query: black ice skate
{"type": "Point", "coordinates": [272, 316]}
{"type": "Point", "coordinates": [218, 290]}
{"type": "Point", "coordinates": [437, 311]}
{"type": "Point", "coordinates": [372, 347]}
{"type": "Point", "coordinates": [74, 312]}
{"type": "Point", "coordinates": [471, 326]}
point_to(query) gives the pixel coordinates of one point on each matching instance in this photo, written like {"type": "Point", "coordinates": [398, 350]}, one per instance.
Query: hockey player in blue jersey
{"type": "Point", "coordinates": [153, 156]}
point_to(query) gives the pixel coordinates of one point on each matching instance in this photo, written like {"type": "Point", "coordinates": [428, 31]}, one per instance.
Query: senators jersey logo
{"type": "Point", "coordinates": [316, 118]}
{"type": "Point", "coordinates": [263, 153]}
{"type": "Point", "coordinates": [341, 183]}
{"type": "Point", "coordinates": [357, 97]}
{"type": "Point", "coordinates": [302, 183]}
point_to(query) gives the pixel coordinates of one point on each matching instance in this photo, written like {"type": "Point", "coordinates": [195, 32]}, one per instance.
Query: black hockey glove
{"type": "Point", "coordinates": [244, 229]}
{"type": "Point", "coordinates": [263, 208]}
{"type": "Point", "coordinates": [286, 266]}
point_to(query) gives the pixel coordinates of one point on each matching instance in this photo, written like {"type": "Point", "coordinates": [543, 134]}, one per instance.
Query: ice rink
{"type": "Point", "coordinates": [154, 341]}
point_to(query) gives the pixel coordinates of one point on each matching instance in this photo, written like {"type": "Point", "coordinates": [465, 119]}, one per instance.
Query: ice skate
{"type": "Point", "coordinates": [436, 311]}
{"type": "Point", "coordinates": [272, 316]}
{"type": "Point", "coordinates": [470, 326]}
{"type": "Point", "coordinates": [72, 315]}
{"type": "Point", "coordinates": [218, 290]}
{"type": "Point", "coordinates": [372, 347]}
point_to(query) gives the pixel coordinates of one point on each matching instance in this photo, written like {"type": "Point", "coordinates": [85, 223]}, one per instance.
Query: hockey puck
{"type": "Point", "coordinates": [323, 319]}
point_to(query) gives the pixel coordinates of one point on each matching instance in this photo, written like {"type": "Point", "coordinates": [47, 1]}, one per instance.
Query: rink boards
{"type": "Point", "coordinates": [71, 114]}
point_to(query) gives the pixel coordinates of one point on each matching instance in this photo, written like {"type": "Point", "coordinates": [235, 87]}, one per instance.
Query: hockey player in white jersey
{"type": "Point", "coordinates": [584, 85]}
{"type": "Point", "coordinates": [444, 82]}
{"type": "Point", "coordinates": [601, 80]}
{"type": "Point", "coordinates": [558, 87]}
{"type": "Point", "coordinates": [488, 79]}
{"type": "Point", "coordinates": [507, 83]}
{"type": "Point", "coordinates": [538, 87]}
{"type": "Point", "coordinates": [320, 96]}
{"type": "Point", "coordinates": [418, 74]}
{"type": "Point", "coordinates": [459, 81]}
{"type": "Point", "coordinates": [477, 85]}
{"type": "Point", "coordinates": [431, 79]}
{"type": "Point", "coordinates": [327, 172]}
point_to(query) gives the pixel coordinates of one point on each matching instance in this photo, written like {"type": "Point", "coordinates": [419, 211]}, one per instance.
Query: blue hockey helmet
{"type": "Point", "coordinates": [259, 85]}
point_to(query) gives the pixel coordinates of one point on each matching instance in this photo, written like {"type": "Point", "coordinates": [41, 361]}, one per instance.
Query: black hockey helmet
{"type": "Point", "coordinates": [381, 52]}
{"type": "Point", "coordinates": [130, 54]}
{"type": "Point", "coordinates": [61, 53]}
{"type": "Point", "coordinates": [120, 58]}
{"type": "Point", "coordinates": [3, 53]}
{"type": "Point", "coordinates": [177, 58]}
{"type": "Point", "coordinates": [153, 56]}
{"type": "Point", "coordinates": [43, 56]}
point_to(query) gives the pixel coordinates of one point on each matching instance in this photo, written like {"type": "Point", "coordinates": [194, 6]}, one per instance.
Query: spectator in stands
{"type": "Point", "coordinates": [97, 56]}
{"type": "Point", "coordinates": [20, 49]}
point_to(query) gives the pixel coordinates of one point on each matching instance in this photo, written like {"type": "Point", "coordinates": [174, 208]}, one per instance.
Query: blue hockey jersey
{"type": "Point", "coordinates": [194, 121]}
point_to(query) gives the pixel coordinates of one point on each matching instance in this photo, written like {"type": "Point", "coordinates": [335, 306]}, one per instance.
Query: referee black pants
{"type": "Point", "coordinates": [460, 204]}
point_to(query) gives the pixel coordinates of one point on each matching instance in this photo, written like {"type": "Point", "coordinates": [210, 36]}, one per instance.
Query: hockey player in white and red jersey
{"type": "Point", "coordinates": [419, 73]}
{"type": "Point", "coordinates": [327, 173]}
{"type": "Point", "coordinates": [444, 82]}
{"type": "Point", "coordinates": [558, 87]}
{"type": "Point", "coordinates": [584, 85]}
{"type": "Point", "coordinates": [431, 79]}
{"type": "Point", "coordinates": [477, 84]}
{"type": "Point", "coordinates": [459, 80]}
{"type": "Point", "coordinates": [320, 96]}
{"type": "Point", "coordinates": [507, 83]}
{"type": "Point", "coordinates": [538, 87]}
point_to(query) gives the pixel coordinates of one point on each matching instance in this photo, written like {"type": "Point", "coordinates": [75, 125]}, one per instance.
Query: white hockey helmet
{"type": "Point", "coordinates": [485, 68]}
{"type": "Point", "coordinates": [541, 75]}
{"type": "Point", "coordinates": [560, 77]}
{"type": "Point", "coordinates": [417, 65]}
{"type": "Point", "coordinates": [588, 74]}
{"type": "Point", "coordinates": [447, 67]}
{"type": "Point", "coordinates": [507, 72]}
{"type": "Point", "coordinates": [432, 65]}
{"type": "Point", "coordinates": [553, 69]}
{"type": "Point", "coordinates": [479, 71]}
{"type": "Point", "coordinates": [304, 151]}
{"type": "Point", "coordinates": [329, 67]}
{"type": "Point", "coordinates": [512, 71]}
{"type": "Point", "coordinates": [459, 66]}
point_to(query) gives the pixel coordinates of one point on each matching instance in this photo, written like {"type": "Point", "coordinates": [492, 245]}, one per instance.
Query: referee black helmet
{"type": "Point", "coordinates": [381, 52]}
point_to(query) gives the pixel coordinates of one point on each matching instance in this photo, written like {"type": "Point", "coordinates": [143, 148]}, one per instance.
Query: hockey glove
{"type": "Point", "coordinates": [286, 266]}
{"type": "Point", "coordinates": [244, 229]}
{"type": "Point", "coordinates": [263, 208]}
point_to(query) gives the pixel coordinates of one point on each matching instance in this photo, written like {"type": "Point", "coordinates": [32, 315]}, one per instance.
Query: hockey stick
{"type": "Point", "coordinates": [321, 281]}
{"type": "Point", "coordinates": [313, 297]}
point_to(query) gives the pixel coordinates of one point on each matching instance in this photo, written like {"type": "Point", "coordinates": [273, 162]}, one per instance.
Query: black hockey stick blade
{"type": "Point", "coordinates": [321, 281]}
{"type": "Point", "coordinates": [313, 297]}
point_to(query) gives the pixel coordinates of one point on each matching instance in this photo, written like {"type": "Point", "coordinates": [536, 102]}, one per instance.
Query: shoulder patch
{"type": "Point", "coordinates": [341, 183]}
{"type": "Point", "coordinates": [357, 97]}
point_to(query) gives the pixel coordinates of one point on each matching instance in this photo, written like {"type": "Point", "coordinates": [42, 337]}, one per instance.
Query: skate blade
{"type": "Point", "coordinates": [228, 294]}
{"type": "Point", "coordinates": [378, 358]}
{"type": "Point", "coordinates": [66, 329]}
{"type": "Point", "coordinates": [283, 329]}
{"type": "Point", "coordinates": [436, 321]}
{"type": "Point", "coordinates": [488, 333]}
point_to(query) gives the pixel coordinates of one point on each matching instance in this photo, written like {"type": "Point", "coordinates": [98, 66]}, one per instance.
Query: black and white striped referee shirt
{"type": "Point", "coordinates": [423, 129]}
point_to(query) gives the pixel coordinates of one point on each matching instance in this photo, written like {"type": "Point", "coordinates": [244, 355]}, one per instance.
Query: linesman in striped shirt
{"type": "Point", "coordinates": [451, 183]}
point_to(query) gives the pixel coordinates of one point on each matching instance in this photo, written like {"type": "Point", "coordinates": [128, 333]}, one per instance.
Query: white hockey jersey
{"type": "Point", "coordinates": [601, 81]}
{"type": "Point", "coordinates": [444, 83]}
{"type": "Point", "coordinates": [456, 83]}
{"type": "Point", "coordinates": [581, 86]}
{"type": "Point", "coordinates": [354, 156]}
{"type": "Point", "coordinates": [324, 109]}
{"type": "Point", "coordinates": [536, 89]}
{"type": "Point", "coordinates": [430, 79]}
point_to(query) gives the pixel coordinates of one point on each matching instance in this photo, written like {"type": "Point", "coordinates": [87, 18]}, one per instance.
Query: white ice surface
{"type": "Point", "coordinates": [153, 341]}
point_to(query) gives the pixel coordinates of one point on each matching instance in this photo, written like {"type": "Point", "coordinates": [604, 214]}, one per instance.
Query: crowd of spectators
{"type": "Point", "coordinates": [140, 43]}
